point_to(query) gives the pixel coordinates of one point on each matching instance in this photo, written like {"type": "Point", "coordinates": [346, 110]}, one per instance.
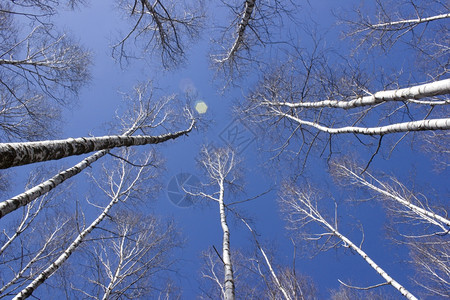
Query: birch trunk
{"type": "Point", "coordinates": [121, 193]}
{"type": "Point", "coordinates": [377, 268]}
{"type": "Point", "coordinates": [429, 216]}
{"type": "Point", "coordinates": [26, 292]}
{"type": "Point", "coordinates": [410, 22]}
{"type": "Point", "coordinates": [17, 154]}
{"type": "Point", "coordinates": [441, 87]}
{"type": "Point", "coordinates": [302, 203]}
{"type": "Point", "coordinates": [26, 197]}
{"type": "Point", "coordinates": [269, 265]}
{"type": "Point", "coordinates": [422, 125]}
{"type": "Point", "coordinates": [228, 269]}
{"type": "Point", "coordinates": [248, 10]}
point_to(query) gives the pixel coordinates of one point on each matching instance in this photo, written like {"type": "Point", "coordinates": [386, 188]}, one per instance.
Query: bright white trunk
{"type": "Point", "coordinates": [228, 270]}
{"type": "Point", "coordinates": [429, 216]}
{"type": "Point", "coordinates": [26, 197]}
{"type": "Point", "coordinates": [248, 10]}
{"type": "Point", "coordinates": [306, 207]}
{"type": "Point", "coordinates": [441, 87]}
{"type": "Point", "coordinates": [377, 268]}
{"type": "Point", "coordinates": [382, 26]}
{"type": "Point", "coordinates": [16, 154]}
{"type": "Point", "coordinates": [269, 265]}
{"type": "Point", "coordinates": [432, 124]}
{"type": "Point", "coordinates": [32, 261]}
{"type": "Point", "coordinates": [26, 292]}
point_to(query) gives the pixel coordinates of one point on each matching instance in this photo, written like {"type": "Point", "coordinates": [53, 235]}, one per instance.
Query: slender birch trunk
{"type": "Point", "coordinates": [228, 269]}
{"type": "Point", "coordinates": [243, 24]}
{"type": "Point", "coordinates": [269, 265]}
{"type": "Point", "coordinates": [26, 292]}
{"type": "Point", "coordinates": [301, 203]}
{"type": "Point", "coordinates": [121, 192]}
{"type": "Point", "coordinates": [424, 214]}
{"type": "Point", "coordinates": [28, 196]}
{"type": "Point", "coordinates": [422, 125]}
{"type": "Point", "coordinates": [17, 154]}
{"type": "Point", "coordinates": [409, 22]}
{"type": "Point", "coordinates": [377, 268]}
{"type": "Point", "coordinates": [410, 94]}
{"type": "Point", "coordinates": [32, 261]}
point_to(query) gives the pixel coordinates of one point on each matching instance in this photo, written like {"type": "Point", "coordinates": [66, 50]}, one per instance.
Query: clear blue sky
{"type": "Point", "coordinates": [95, 25]}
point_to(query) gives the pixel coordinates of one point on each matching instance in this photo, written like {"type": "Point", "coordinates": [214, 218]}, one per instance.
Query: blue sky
{"type": "Point", "coordinates": [95, 25]}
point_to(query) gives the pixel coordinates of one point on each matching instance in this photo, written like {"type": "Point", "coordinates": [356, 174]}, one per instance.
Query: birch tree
{"type": "Point", "coordinates": [38, 239]}
{"type": "Point", "coordinates": [406, 205]}
{"type": "Point", "coordinates": [40, 69]}
{"type": "Point", "coordinates": [219, 165]}
{"type": "Point", "coordinates": [309, 103]}
{"type": "Point", "coordinates": [30, 213]}
{"type": "Point", "coordinates": [421, 25]}
{"type": "Point", "coordinates": [130, 259]}
{"type": "Point", "coordinates": [301, 207]}
{"type": "Point", "coordinates": [252, 28]}
{"type": "Point", "coordinates": [417, 222]}
{"type": "Point", "coordinates": [120, 186]}
{"type": "Point", "coordinates": [162, 28]}
{"type": "Point", "coordinates": [143, 115]}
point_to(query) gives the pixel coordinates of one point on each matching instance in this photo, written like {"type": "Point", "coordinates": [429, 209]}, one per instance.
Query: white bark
{"type": "Point", "coordinates": [31, 263]}
{"type": "Point", "coordinates": [301, 203]}
{"type": "Point", "coordinates": [26, 292]}
{"type": "Point", "coordinates": [409, 22]}
{"type": "Point", "coordinates": [410, 94]}
{"type": "Point", "coordinates": [144, 118]}
{"type": "Point", "coordinates": [428, 216]}
{"type": "Point", "coordinates": [218, 164]}
{"type": "Point", "coordinates": [122, 194]}
{"type": "Point", "coordinates": [228, 270]}
{"type": "Point", "coordinates": [26, 197]}
{"type": "Point", "coordinates": [377, 268]}
{"type": "Point", "coordinates": [16, 154]}
{"type": "Point", "coordinates": [269, 265]}
{"type": "Point", "coordinates": [431, 124]}
{"type": "Point", "coordinates": [243, 24]}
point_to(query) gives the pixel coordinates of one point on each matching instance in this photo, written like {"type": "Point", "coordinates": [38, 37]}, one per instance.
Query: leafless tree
{"type": "Point", "coordinates": [220, 166]}
{"type": "Point", "coordinates": [159, 27]}
{"type": "Point", "coordinates": [17, 154]}
{"type": "Point", "coordinates": [417, 222]}
{"type": "Point", "coordinates": [312, 99]}
{"type": "Point", "coordinates": [346, 293]}
{"type": "Point", "coordinates": [253, 27]}
{"type": "Point", "coordinates": [39, 70]}
{"type": "Point", "coordinates": [430, 258]}
{"type": "Point", "coordinates": [27, 252]}
{"type": "Point", "coordinates": [301, 207]}
{"type": "Point", "coordinates": [122, 182]}
{"type": "Point", "coordinates": [285, 283]}
{"type": "Point", "coordinates": [142, 115]}
{"type": "Point", "coordinates": [31, 211]}
{"type": "Point", "coordinates": [125, 260]}
{"type": "Point", "coordinates": [423, 25]}
{"type": "Point", "coordinates": [406, 205]}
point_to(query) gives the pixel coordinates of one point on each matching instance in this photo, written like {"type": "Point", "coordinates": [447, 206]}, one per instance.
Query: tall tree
{"type": "Point", "coordinates": [301, 206]}
{"type": "Point", "coordinates": [219, 165]}
{"type": "Point", "coordinates": [126, 260]}
{"type": "Point", "coordinates": [39, 70]}
{"type": "Point", "coordinates": [143, 115]}
{"type": "Point", "coordinates": [121, 184]}
{"type": "Point", "coordinates": [417, 222]}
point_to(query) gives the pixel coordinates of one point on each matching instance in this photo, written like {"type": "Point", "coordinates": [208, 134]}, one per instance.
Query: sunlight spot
{"type": "Point", "coordinates": [201, 107]}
